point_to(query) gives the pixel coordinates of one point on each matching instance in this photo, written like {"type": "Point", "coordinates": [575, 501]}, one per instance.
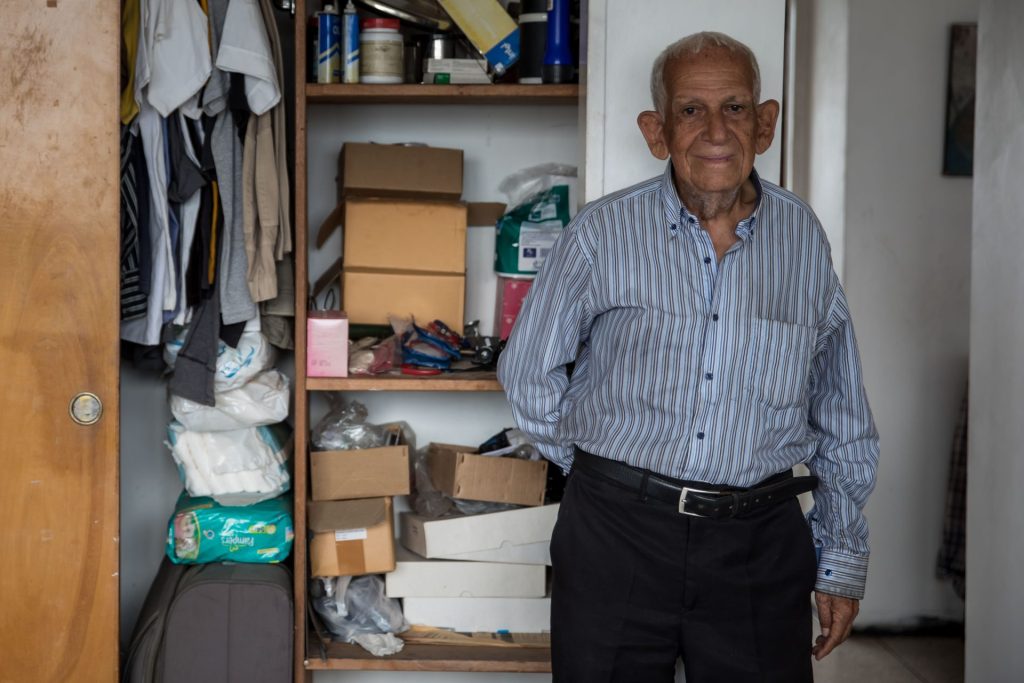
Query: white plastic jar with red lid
{"type": "Point", "coordinates": [381, 47]}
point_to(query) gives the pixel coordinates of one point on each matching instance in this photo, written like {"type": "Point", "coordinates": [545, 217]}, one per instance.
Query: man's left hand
{"type": "Point", "coordinates": [836, 615]}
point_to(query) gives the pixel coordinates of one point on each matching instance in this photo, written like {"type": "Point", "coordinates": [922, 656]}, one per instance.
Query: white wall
{"type": "Point", "coordinates": [624, 40]}
{"type": "Point", "coordinates": [995, 507]}
{"type": "Point", "coordinates": [907, 266]}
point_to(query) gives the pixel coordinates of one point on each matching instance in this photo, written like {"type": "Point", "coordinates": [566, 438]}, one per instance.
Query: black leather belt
{"type": "Point", "coordinates": [696, 498]}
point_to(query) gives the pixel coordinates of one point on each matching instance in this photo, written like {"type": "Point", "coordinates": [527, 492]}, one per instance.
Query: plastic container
{"type": "Point", "coordinates": [381, 52]}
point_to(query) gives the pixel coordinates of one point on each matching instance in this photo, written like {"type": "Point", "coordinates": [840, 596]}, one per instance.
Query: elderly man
{"type": "Point", "coordinates": [685, 345]}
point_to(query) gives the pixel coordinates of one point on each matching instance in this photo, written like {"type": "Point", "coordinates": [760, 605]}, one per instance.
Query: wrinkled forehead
{"type": "Point", "coordinates": [712, 66]}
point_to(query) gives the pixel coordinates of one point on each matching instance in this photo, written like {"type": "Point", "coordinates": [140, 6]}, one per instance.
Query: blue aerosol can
{"type": "Point", "coordinates": [558, 62]}
{"type": "Point", "coordinates": [328, 59]}
{"type": "Point", "coordinates": [350, 44]}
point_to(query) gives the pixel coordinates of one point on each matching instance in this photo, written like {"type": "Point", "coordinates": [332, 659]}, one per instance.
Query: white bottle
{"type": "Point", "coordinates": [381, 50]}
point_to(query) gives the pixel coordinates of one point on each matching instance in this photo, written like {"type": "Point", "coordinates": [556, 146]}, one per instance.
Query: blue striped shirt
{"type": "Point", "coordinates": [724, 372]}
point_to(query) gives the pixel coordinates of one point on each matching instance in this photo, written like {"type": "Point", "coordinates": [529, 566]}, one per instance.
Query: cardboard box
{"type": "Point", "coordinates": [459, 472]}
{"type": "Point", "coordinates": [516, 615]}
{"type": "Point", "coordinates": [326, 344]}
{"type": "Point", "coordinates": [418, 577]}
{"type": "Point", "coordinates": [368, 296]}
{"type": "Point", "coordinates": [372, 170]}
{"type": "Point", "coordinates": [405, 234]}
{"type": "Point", "coordinates": [351, 537]}
{"type": "Point", "coordinates": [489, 27]}
{"type": "Point", "coordinates": [520, 536]}
{"type": "Point", "coordinates": [364, 473]}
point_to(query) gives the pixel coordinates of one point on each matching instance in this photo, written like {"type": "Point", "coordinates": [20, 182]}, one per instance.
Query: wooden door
{"type": "Point", "coordinates": [59, 311]}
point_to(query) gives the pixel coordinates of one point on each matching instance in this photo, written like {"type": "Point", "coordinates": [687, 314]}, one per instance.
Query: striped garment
{"type": "Point", "coordinates": [723, 372]}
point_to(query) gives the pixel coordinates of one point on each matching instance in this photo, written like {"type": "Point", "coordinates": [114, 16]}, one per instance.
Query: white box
{"type": "Point", "coordinates": [515, 615]}
{"type": "Point", "coordinates": [417, 577]}
{"type": "Point", "coordinates": [519, 536]}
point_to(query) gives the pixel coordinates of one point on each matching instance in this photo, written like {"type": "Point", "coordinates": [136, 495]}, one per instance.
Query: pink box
{"type": "Point", "coordinates": [326, 344]}
{"type": "Point", "coordinates": [511, 293]}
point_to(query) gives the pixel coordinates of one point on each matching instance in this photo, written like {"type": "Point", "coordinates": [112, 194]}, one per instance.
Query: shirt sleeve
{"type": "Point", "coordinates": [554, 321]}
{"type": "Point", "coordinates": [846, 457]}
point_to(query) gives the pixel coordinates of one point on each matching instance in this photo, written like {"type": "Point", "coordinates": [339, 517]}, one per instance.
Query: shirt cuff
{"type": "Point", "coordinates": [842, 574]}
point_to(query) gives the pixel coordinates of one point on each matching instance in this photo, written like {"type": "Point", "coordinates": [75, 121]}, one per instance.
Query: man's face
{"type": "Point", "coordinates": [712, 129]}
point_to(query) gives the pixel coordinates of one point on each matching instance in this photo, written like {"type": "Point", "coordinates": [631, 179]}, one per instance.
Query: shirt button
{"type": "Point", "coordinates": [828, 572]}
{"type": "Point", "coordinates": [715, 317]}
{"type": "Point", "coordinates": [709, 376]}
{"type": "Point", "coordinates": [707, 259]}
{"type": "Point", "coordinates": [700, 435]}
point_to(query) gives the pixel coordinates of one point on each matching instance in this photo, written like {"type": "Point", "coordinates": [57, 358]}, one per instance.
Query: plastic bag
{"type": "Point", "coordinates": [235, 366]}
{"type": "Point", "coordinates": [200, 531]}
{"type": "Point", "coordinates": [426, 499]}
{"type": "Point", "coordinates": [262, 401]}
{"type": "Point", "coordinates": [542, 201]}
{"type": "Point", "coordinates": [242, 461]}
{"type": "Point", "coordinates": [345, 428]}
{"type": "Point", "coordinates": [352, 606]}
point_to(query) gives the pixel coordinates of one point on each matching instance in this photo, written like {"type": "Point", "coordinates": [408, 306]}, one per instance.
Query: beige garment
{"type": "Point", "coordinates": [265, 190]}
{"type": "Point", "coordinates": [260, 211]}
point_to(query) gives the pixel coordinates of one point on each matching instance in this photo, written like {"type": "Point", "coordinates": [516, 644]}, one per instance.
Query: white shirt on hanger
{"type": "Point", "coordinates": [245, 48]}
{"type": "Point", "coordinates": [179, 54]}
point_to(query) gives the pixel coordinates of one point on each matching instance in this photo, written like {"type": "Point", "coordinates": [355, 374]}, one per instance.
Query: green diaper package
{"type": "Point", "coordinates": [201, 530]}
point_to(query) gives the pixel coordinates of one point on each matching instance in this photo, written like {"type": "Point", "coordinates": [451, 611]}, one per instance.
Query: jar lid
{"type": "Point", "coordinates": [380, 23]}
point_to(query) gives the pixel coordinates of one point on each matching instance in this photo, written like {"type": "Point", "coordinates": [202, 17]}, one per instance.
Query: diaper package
{"type": "Point", "coordinates": [235, 366]}
{"type": "Point", "coordinates": [201, 530]}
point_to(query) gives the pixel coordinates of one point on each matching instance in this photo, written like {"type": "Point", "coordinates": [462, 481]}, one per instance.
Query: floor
{"type": "Point", "coordinates": [894, 659]}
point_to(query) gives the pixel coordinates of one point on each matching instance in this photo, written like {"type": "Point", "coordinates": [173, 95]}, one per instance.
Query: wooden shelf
{"type": "Point", "coordinates": [412, 93]}
{"type": "Point", "coordinates": [459, 381]}
{"type": "Point", "coordinates": [416, 657]}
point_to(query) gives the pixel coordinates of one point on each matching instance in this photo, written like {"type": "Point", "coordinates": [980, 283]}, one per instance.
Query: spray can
{"type": "Point", "coordinates": [350, 45]}
{"type": "Point", "coordinates": [328, 69]}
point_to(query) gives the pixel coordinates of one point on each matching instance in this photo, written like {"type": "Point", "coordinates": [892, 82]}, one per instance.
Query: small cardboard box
{"type": "Point", "coordinates": [372, 170]}
{"type": "Point", "coordinates": [515, 615]}
{"type": "Point", "coordinates": [326, 344]}
{"type": "Point", "coordinates": [418, 577]}
{"type": "Point", "coordinates": [459, 472]}
{"type": "Point", "coordinates": [351, 537]}
{"type": "Point", "coordinates": [405, 234]}
{"type": "Point", "coordinates": [489, 27]}
{"type": "Point", "coordinates": [368, 296]}
{"type": "Point", "coordinates": [520, 536]}
{"type": "Point", "coordinates": [363, 473]}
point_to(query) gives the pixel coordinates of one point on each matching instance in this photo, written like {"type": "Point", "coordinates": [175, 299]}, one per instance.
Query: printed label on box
{"type": "Point", "coordinates": [350, 535]}
{"type": "Point", "coordinates": [535, 242]}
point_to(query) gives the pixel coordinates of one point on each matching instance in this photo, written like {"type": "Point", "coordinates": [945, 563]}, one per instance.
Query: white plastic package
{"type": "Point", "coordinates": [235, 366]}
{"type": "Point", "coordinates": [262, 401]}
{"type": "Point", "coordinates": [240, 466]}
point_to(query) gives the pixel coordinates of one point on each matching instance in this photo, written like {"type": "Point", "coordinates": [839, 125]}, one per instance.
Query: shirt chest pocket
{"type": "Point", "coordinates": [778, 362]}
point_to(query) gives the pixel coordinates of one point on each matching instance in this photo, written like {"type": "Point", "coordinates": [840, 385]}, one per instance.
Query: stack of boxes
{"type": "Point", "coordinates": [479, 572]}
{"type": "Point", "coordinates": [351, 515]}
{"type": "Point", "coordinates": [404, 232]}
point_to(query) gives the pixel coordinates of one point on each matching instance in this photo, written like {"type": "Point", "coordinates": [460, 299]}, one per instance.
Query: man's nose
{"type": "Point", "coordinates": [716, 130]}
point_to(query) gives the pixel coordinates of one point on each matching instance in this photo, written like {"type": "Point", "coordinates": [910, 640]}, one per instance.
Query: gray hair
{"type": "Point", "coordinates": [693, 44]}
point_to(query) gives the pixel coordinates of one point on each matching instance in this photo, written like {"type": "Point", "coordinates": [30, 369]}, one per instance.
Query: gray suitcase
{"type": "Point", "coordinates": [214, 623]}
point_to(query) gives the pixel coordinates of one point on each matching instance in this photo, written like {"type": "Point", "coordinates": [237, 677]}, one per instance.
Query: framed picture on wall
{"type": "Point", "coordinates": [958, 156]}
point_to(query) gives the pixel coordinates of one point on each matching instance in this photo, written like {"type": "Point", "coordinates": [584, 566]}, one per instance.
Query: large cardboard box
{"type": "Point", "coordinates": [368, 296]}
{"type": "Point", "coordinates": [373, 170]}
{"type": "Point", "coordinates": [405, 234]}
{"type": "Point", "coordinates": [364, 473]}
{"type": "Point", "coordinates": [418, 577]}
{"type": "Point", "coordinates": [520, 536]}
{"type": "Point", "coordinates": [515, 615]}
{"type": "Point", "coordinates": [459, 472]}
{"type": "Point", "coordinates": [351, 537]}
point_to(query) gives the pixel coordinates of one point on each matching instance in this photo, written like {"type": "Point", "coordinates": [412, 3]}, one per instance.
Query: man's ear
{"type": "Point", "coordinates": [767, 115]}
{"type": "Point", "coordinates": [653, 127]}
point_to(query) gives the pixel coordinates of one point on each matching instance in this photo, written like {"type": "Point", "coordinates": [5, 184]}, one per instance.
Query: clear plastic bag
{"type": "Point", "coordinates": [262, 401]}
{"type": "Point", "coordinates": [352, 606]}
{"type": "Point", "coordinates": [425, 499]}
{"type": "Point", "coordinates": [345, 428]}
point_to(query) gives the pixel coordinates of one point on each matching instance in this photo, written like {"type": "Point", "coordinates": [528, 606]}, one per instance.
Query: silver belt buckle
{"type": "Point", "coordinates": [682, 500]}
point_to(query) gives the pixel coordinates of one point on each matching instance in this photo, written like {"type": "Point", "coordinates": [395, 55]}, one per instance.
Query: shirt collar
{"type": "Point", "coordinates": [677, 215]}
